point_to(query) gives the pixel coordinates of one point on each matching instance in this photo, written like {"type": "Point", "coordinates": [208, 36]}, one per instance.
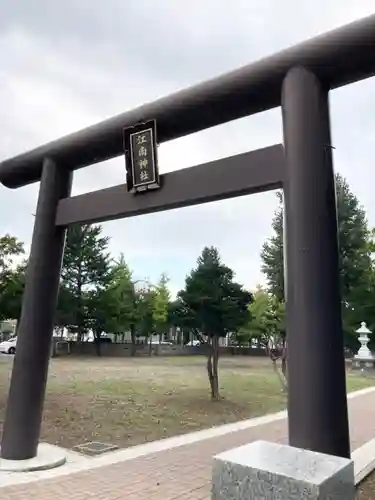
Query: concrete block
{"type": "Point", "coordinates": [271, 471]}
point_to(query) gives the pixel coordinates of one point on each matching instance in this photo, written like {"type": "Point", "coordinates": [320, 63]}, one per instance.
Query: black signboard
{"type": "Point", "coordinates": [141, 157]}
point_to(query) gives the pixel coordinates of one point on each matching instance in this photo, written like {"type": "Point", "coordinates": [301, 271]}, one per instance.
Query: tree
{"type": "Point", "coordinates": [97, 309]}
{"type": "Point", "coordinates": [354, 257]}
{"type": "Point", "coordinates": [179, 316]}
{"type": "Point", "coordinates": [255, 327]}
{"type": "Point", "coordinates": [85, 275]}
{"type": "Point", "coordinates": [355, 261]}
{"type": "Point", "coordinates": [12, 277]}
{"type": "Point", "coordinates": [272, 254]}
{"type": "Point", "coordinates": [267, 325]}
{"type": "Point", "coordinates": [10, 248]}
{"type": "Point", "coordinates": [369, 299]}
{"type": "Point", "coordinates": [161, 305]}
{"type": "Point", "coordinates": [65, 315]}
{"type": "Point", "coordinates": [215, 305]}
{"type": "Point", "coordinates": [122, 301]}
{"type": "Point", "coordinates": [13, 293]}
{"type": "Point", "coordinates": [266, 316]}
{"type": "Point", "coordinates": [274, 334]}
{"type": "Point", "coordinates": [145, 312]}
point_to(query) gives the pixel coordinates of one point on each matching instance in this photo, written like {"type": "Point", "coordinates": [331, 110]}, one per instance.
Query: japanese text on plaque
{"type": "Point", "coordinates": [143, 158]}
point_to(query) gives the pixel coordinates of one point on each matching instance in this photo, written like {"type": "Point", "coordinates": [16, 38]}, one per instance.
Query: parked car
{"type": "Point", "coordinates": [8, 346]}
{"type": "Point", "coordinates": [194, 343]}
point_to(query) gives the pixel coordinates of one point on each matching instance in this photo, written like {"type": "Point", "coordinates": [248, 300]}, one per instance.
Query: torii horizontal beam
{"type": "Point", "coordinates": [247, 173]}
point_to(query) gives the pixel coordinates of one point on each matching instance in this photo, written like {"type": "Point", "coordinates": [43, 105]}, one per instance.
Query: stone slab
{"type": "Point", "coordinates": [48, 457]}
{"type": "Point", "coordinates": [270, 471]}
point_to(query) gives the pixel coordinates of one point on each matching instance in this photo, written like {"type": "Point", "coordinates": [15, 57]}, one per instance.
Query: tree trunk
{"type": "Point", "coordinates": [284, 357]}
{"type": "Point", "coordinates": [212, 367]}
{"type": "Point", "coordinates": [200, 337]}
{"type": "Point", "coordinates": [284, 387]}
{"type": "Point", "coordinates": [209, 367]}
{"type": "Point", "coordinates": [79, 314]}
{"type": "Point", "coordinates": [275, 355]}
{"type": "Point", "coordinates": [150, 346]}
{"type": "Point", "coordinates": [215, 360]}
{"type": "Point", "coordinates": [133, 347]}
{"type": "Point", "coordinates": [98, 345]}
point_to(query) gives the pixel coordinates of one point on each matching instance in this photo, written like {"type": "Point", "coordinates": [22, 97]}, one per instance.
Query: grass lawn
{"type": "Point", "coordinates": [131, 401]}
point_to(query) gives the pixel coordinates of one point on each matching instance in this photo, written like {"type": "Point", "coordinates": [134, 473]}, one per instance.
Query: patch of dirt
{"type": "Point", "coordinates": [366, 489]}
{"type": "Point", "coordinates": [132, 401]}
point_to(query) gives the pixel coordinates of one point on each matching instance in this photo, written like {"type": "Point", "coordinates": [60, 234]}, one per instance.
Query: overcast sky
{"type": "Point", "coordinates": [66, 65]}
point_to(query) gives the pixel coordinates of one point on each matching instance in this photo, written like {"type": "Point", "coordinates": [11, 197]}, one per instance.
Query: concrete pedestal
{"type": "Point", "coordinates": [48, 457]}
{"type": "Point", "coordinates": [271, 471]}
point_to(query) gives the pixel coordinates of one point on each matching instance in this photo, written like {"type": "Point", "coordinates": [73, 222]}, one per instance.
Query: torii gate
{"type": "Point", "coordinates": [299, 79]}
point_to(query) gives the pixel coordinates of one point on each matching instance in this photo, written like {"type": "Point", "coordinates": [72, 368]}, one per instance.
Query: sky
{"type": "Point", "coordinates": [67, 65]}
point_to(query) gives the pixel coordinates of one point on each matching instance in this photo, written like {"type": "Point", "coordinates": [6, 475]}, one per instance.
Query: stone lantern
{"type": "Point", "coordinates": [364, 357]}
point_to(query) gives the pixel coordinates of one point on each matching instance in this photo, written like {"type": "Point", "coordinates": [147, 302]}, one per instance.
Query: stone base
{"type": "Point", "coordinates": [48, 457]}
{"type": "Point", "coordinates": [274, 471]}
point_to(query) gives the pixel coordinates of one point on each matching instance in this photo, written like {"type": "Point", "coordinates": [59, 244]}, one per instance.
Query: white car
{"type": "Point", "coordinates": [8, 346]}
{"type": "Point", "coordinates": [194, 343]}
{"type": "Point", "coordinates": [162, 342]}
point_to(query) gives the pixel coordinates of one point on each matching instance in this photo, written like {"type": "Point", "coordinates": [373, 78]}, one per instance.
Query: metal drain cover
{"type": "Point", "coordinates": [94, 448]}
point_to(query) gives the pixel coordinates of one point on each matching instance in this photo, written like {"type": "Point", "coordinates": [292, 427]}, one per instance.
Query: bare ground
{"type": "Point", "coordinates": [366, 489]}
{"type": "Point", "coordinates": [131, 401]}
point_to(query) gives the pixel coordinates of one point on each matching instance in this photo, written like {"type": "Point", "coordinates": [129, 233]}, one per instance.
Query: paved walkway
{"type": "Point", "coordinates": [182, 472]}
